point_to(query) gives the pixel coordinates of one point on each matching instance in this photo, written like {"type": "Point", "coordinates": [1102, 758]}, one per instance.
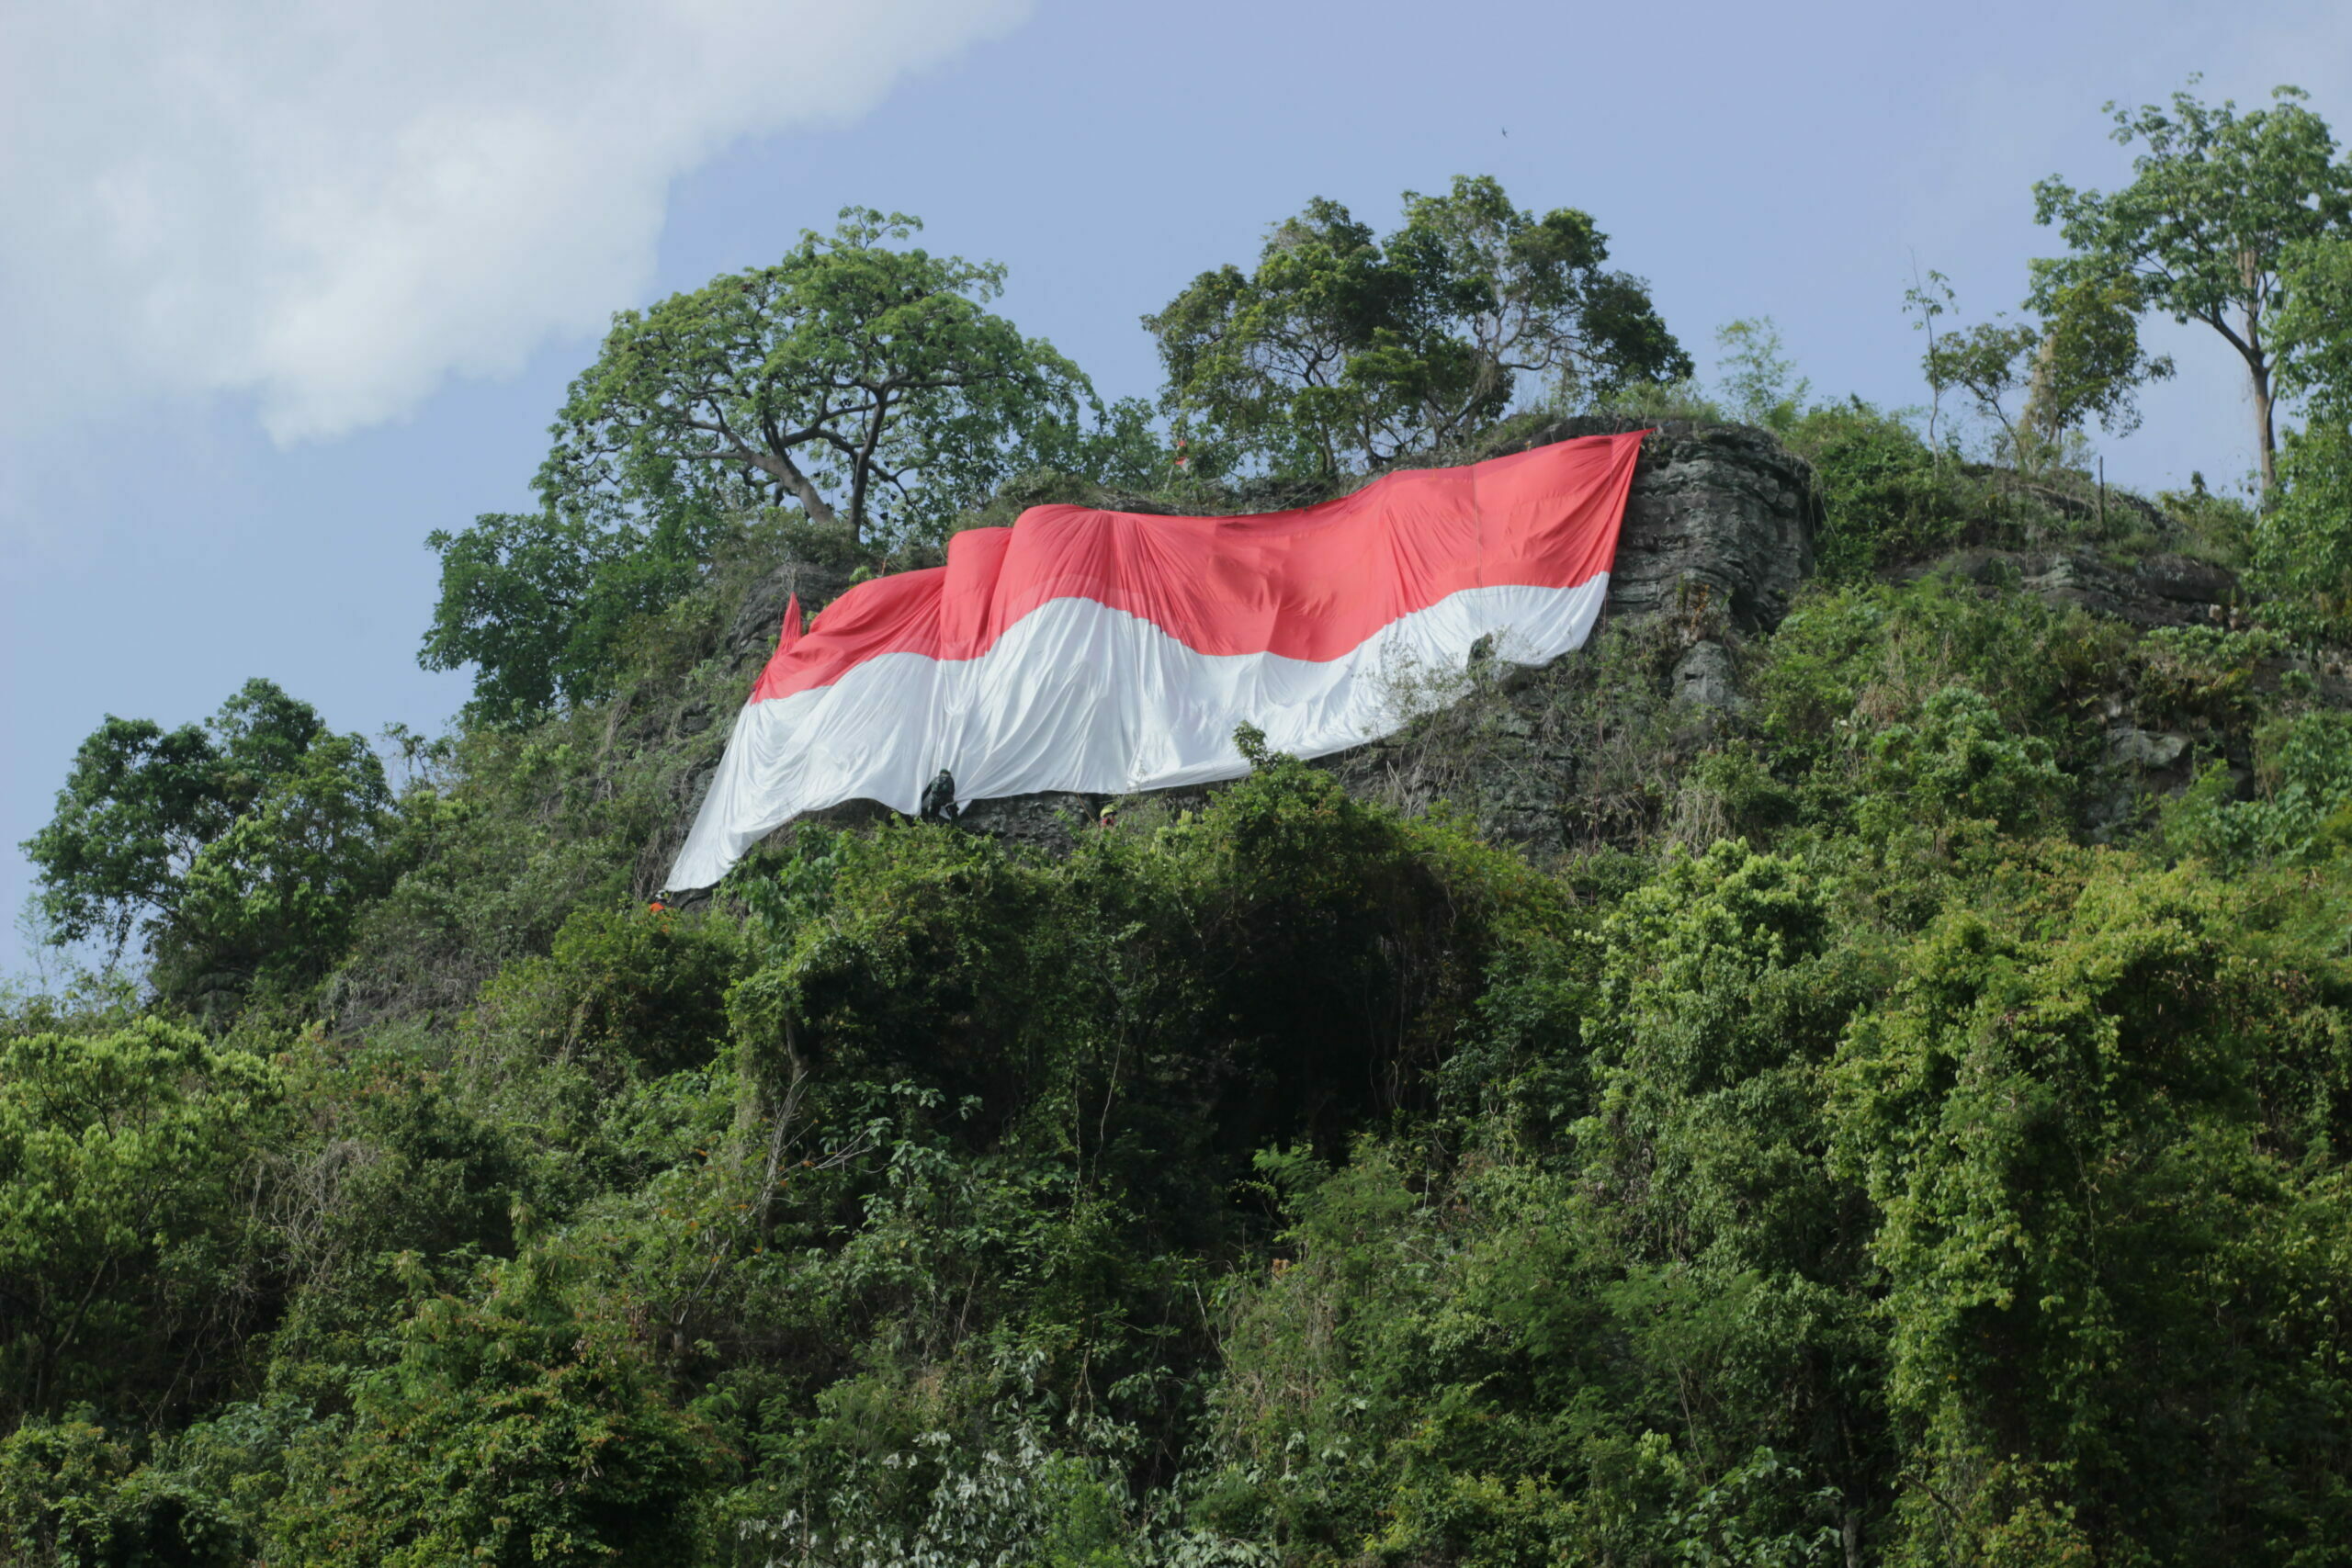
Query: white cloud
{"type": "Point", "coordinates": [334, 206]}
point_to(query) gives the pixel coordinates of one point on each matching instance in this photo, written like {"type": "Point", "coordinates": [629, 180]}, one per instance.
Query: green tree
{"type": "Point", "coordinates": [856, 380]}
{"type": "Point", "coordinates": [1341, 346]}
{"type": "Point", "coordinates": [269, 904]}
{"type": "Point", "coordinates": [142, 803]}
{"type": "Point", "coordinates": [2089, 363]}
{"type": "Point", "coordinates": [1953, 765]}
{"type": "Point", "coordinates": [2097, 1172]}
{"type": "Point", "coordinates": [2303, 545]}
{"type": "Point", "coordinates": [2083, 361]}
{"type": "Point", "coordinates": [1743, 1256]}
{"type": "Point", "coordinates": [859, 381]}
{"type": "Point", "coordinates": [126, 1247]}
{"type": "Point", "coordinates": [537, 600]}
{"type": "Point", "coordinates": [1759, 379]}
{"type": "Point", "coordinates": [1927, 299]}
{"type": "Point", "coordinates": [1991, 363]}
{"type": "Point", "coordinates": [2216, 201]}
{"type": "Point", "coordinates": [510, 1430]}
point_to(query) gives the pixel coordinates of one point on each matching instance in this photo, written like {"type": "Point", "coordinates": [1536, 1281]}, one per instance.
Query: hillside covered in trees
{"type": "Point", "coordinates": [1877, 1091]}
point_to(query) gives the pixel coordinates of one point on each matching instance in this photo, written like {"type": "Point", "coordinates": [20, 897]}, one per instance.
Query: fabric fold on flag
{"type": "Point", "coordinates": [1108, 652]}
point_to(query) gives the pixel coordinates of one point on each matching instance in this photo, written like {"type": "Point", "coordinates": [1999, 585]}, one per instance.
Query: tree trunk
{"type": "Point", "coordinates": [2258, 364]}
{"type": "Point", "coordinates": [786, 472]}
{"type": "Point", "coordinates": [862, 466]}
{"type": "Point", "coordinates": [2266, 436]}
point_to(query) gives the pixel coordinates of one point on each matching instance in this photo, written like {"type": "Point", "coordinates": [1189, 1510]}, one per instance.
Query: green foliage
{"type": "Point", "coordinates": [1755, 375]}
{"type": "Point", "coordinates": [2304, 544]}
{"type": "Point", "coordinates": [2303, 808]}
{"type": "Point", "coordinates": [269, 904]}
{"type": "Point", "coordinates": [538, 602]}
{"type": "Point", "coordinates": [1009, 1498]}
{"type": "Point", "coordinates": [2083, 361]}
{"type": "Point", "coordinates": [75, 1494]}
{"type": "Point", "coordinates": [1284, 1179]}
{"type": "Point", "coordinates": [1991, 363]}
{"type": "Point", "coordinates": [1956, 764]}
{"type": "Point", "coordinates": [858, 383]}
{"type": "Point", "coordinates": [510, 1430]}
{"type": "Point", "coordinates": [1483, 1365]}
{"type": "Point", "coordinates": [129, 1265]}
{"type": "Point", "coordinates": [400, 1173]}
{"type": "Point", "coordinates": [1340, 348]}
{"type": "Point", "coordinates": [2089, 363]}
{"type": "Point", "coordinates": [1831, 1158]}
{"type": "Point", "coordinates": [142, 803]}
{"type": "Point", "coordinates": [1934, 686]}
{"type": "Point", "coordinates": [623, 989]}
{"type": "Point", "coordinates": [2066, 1119]}
{"type": "Point", "coordinates": [2302, 547]}
{"type": "Point", "coordinates": [251, 844]}
{"type": "Point", "coordinates": [72, 1493]}
{"type": "Point", "coordinates": [2203, 675]}
{"type": "Point", "coordinates": [853, 379]}
{"type": "Point", "coordinates": [2217, 202]}
{"type": "Point", "coordinates": [1885, 496]}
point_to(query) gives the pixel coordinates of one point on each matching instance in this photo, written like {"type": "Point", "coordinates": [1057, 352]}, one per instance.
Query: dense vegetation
{"type": "Point", "coordinates": [1902, 1128]}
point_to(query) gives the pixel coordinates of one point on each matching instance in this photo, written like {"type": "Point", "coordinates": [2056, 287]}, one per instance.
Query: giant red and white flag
{"type": "Point", "coordinates": [1107, 652]}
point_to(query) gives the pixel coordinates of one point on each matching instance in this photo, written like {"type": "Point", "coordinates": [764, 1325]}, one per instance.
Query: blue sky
{"type": "Point", "coordinates": [285, 287]}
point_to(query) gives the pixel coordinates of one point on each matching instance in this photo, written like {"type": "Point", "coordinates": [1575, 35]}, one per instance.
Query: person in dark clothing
{"type": "Point", "coordinates": [939, 799]}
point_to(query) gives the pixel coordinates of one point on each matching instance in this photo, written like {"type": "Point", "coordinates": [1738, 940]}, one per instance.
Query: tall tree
{"type": "Point", "coordinates": [246, 843]}
{"type": "Point", "coordinates": [123, 1231]}
{"type": "Point", "coordinates": [2216, 200]}
{"type": "Point", "coordinates": [1990, 362]}
{"type": "Point", "coordinates": [270, 903]}
{"type": "Point", "coordinates": [537, 600]}
{"type": "Point", "coordinates": [2084, 362]}
{"type": "Point", "coordinates": [2304, 543]}
{"type": "Point", "coordinates": [858, 379]}
{"type": "Point", "coordinates": [2089, 362]}
{"type": "Point", "coordinates": [141, 801]}
{"type": "Point", "coordinates": [1339, 347]}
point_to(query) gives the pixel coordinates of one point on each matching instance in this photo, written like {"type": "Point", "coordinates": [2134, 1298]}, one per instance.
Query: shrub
{"type": "Point", "coordinates": [129, 1266]}
{"type": "Point", "coordinates": [511, 1429]}
{"type": "Point", "coordinates": [1885, 496]}
{"type": "Point", "coordinates": [2304, 811]}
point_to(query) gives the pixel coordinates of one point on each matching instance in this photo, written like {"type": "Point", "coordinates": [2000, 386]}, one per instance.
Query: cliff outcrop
{"type": "Point", "coordinates": [1719, 536]}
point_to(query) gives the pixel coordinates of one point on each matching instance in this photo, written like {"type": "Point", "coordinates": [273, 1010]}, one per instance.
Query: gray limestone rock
{"type": "Point", "coordinates": [2159, 589]}
{"type": "Point", "coordinates": [2145, 749]}
{"type": "Point", "coordinates": [1706, 677]}
{"type": "Point", "coordinates": [2142, 765]}
{"type": "Point", "coordinates": [1720, 517]}
{"type": "Point", "coordinates": [752, 636]}
{"type": "Point", "coordinates": [1048, 821]}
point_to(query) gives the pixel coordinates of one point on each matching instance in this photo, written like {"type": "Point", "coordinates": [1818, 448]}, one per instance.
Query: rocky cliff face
{"type": "Point", "coordinates": [1718, 537]}
{"type": "Point", "coordinates": [1720, 518]}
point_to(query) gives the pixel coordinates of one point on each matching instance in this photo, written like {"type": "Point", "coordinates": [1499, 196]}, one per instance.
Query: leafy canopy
{"type": "Point", "coordinates": [120, 1219]}
{"type": "Point", "coordinates": [859, 381]}
{"type": "Point", "coordinates": [259, 807]}
{"type": "Point", "coordinates": [2081, 362]}
{"type": "Point", "coordinates": [537, 601]}
{"type": "Point", "coordinates": [2201, 233]}
{"type": "Point", "coordinates": [2304, 544]}
{"type": "Point", "coordinates": [1340, 347]}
